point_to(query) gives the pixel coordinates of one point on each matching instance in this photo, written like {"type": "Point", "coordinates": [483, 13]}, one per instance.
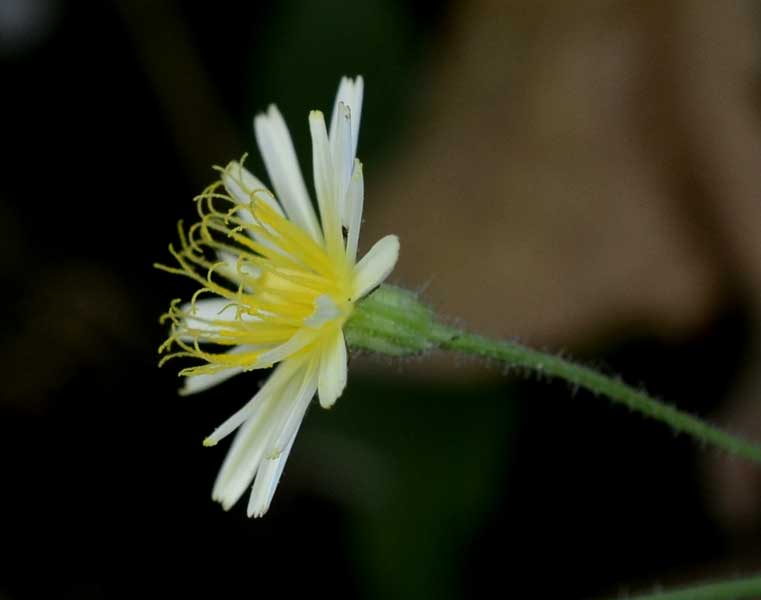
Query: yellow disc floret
{"type": "Point", "coordinates": [280, 289]}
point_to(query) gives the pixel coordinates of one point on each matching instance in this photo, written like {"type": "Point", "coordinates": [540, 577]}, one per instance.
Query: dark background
{"type": "Point", "coordinates": [416, 484]}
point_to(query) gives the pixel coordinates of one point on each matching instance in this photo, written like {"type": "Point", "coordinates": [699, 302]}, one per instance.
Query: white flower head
{"type": "Point", "coordinates": [281, 284]}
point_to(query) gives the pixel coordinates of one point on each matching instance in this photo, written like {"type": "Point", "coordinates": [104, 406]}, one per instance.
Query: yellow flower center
{"type": "Point", "coordinates": [282, 290]}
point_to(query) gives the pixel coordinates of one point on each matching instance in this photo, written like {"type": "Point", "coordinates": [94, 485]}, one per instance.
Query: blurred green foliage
{"type": "Point", "coordinates": [311, 45]}
{"type": "Point", "coordinates": [423, 466]}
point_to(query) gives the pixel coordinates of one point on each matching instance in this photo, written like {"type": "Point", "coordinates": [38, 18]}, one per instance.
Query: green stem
{"type": "Point", "coordinates": [393, 321]}
{"type": "Point", "coordinates": [612, 388]}
{"type": "Point", "coordinates": [737, 589]}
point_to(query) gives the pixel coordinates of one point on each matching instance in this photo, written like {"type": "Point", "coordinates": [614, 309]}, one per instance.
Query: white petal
{"type": "Point", "coordinates": [198, 383]}
{"type": "Point", "coordinates": [219, 310]}
{"type": "Point", "coordinates": [279, 157]}
{"type": "Point", "coordinates": [355, 198]}
{"type": "Point", "coordinates": [325, 180]}
{"type": "Point", "coordinates": [232, 264]}
{"type": "Point", "coordinates": [250, 443]}
{"type": "Point", "coordinates": [271, 467]}
{"type": "Point", "coordinates": [208, 309]}
{"type": "Point", "coordinates": [332, 370]}
{"type": "Point", "coordinates": [343, 159]}
{"type": "Point", "coordinates": [193, 384]}
{"type": "Point", "coordinates": [265, 484]}
{"type": "Point", "coordinates": [279, 377]}
{"type": "Point", "coordinates": [241, 272]}
{"type": "Point", "coordinates": [295, 415]}
{"type": "Point", "coordinates": [242, 460]}
{"type": "Point", "coordinates": [243, 187]}
{"type": "Point", "coordinates": [298, 341]}
{"type": "Point", "coordinates": [350, 93]}
{"type": "Point", "coordinates": [375, 266]}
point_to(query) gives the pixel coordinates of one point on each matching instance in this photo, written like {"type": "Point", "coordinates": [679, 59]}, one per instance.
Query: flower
{"type": "Point", "coordinates": [280, 287]}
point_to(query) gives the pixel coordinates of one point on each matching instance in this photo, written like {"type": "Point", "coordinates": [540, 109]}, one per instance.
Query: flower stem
{"type": "Point", "coordinates": [589, 379]}
{"type": "Point", "coordinates": [736, 589]}
{"type": "Point", "coordinates": [393, 321]}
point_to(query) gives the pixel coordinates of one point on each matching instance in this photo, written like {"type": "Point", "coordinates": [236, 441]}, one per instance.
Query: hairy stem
{"type": "Point", "coordinates": [393, 321]}
{"type": "Point", "coordinates": [584, 377]}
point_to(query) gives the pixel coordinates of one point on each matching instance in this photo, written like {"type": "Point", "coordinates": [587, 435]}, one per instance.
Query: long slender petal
{"type": "Point", "coordinates": [332, 379]}
{"type": "Point", "coordinates": [355, 199]}
{"type": "Point", "coordinates": [240, 272]}
{"type": "Point", "coordinates": [375, 266]}
{"type": "Point", "coordinates": [198, 383]}
{"type": "Point", "coordinates": [244, 187]}
{"type": "Point", "coordinates": [242, 460]}
{"type": "Point", "coordinates": [279, 157]}
{"type": "Point", "coordinates": [265, 484]}
{"type": "Point", "coordinates": [208, 309]}
{"type": "Point", "coordinates": [279, 377]}
{"type": "Point", "coordinates": [325, 182]}
{"type": "Point", "coordinates": [343, 159]}
{"type": "Point", "coordinates": [206, 315]}
{"type": "Point", "coordinates": [350, 92]}
{"type": "Point", "coordinates": [248, 448]}
{"type": "Point", "coordinates": [209, 316]}
{"type": "Point", "coordinates": [301, 402]}
{"type": "Point", "coordinates": [279, 447]}
{"type": "Point", "coordinates": [299, 340]}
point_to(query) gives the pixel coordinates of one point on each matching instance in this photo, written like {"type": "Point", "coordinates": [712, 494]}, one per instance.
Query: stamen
{"type": "Point", "coordinates": [282, 283]}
